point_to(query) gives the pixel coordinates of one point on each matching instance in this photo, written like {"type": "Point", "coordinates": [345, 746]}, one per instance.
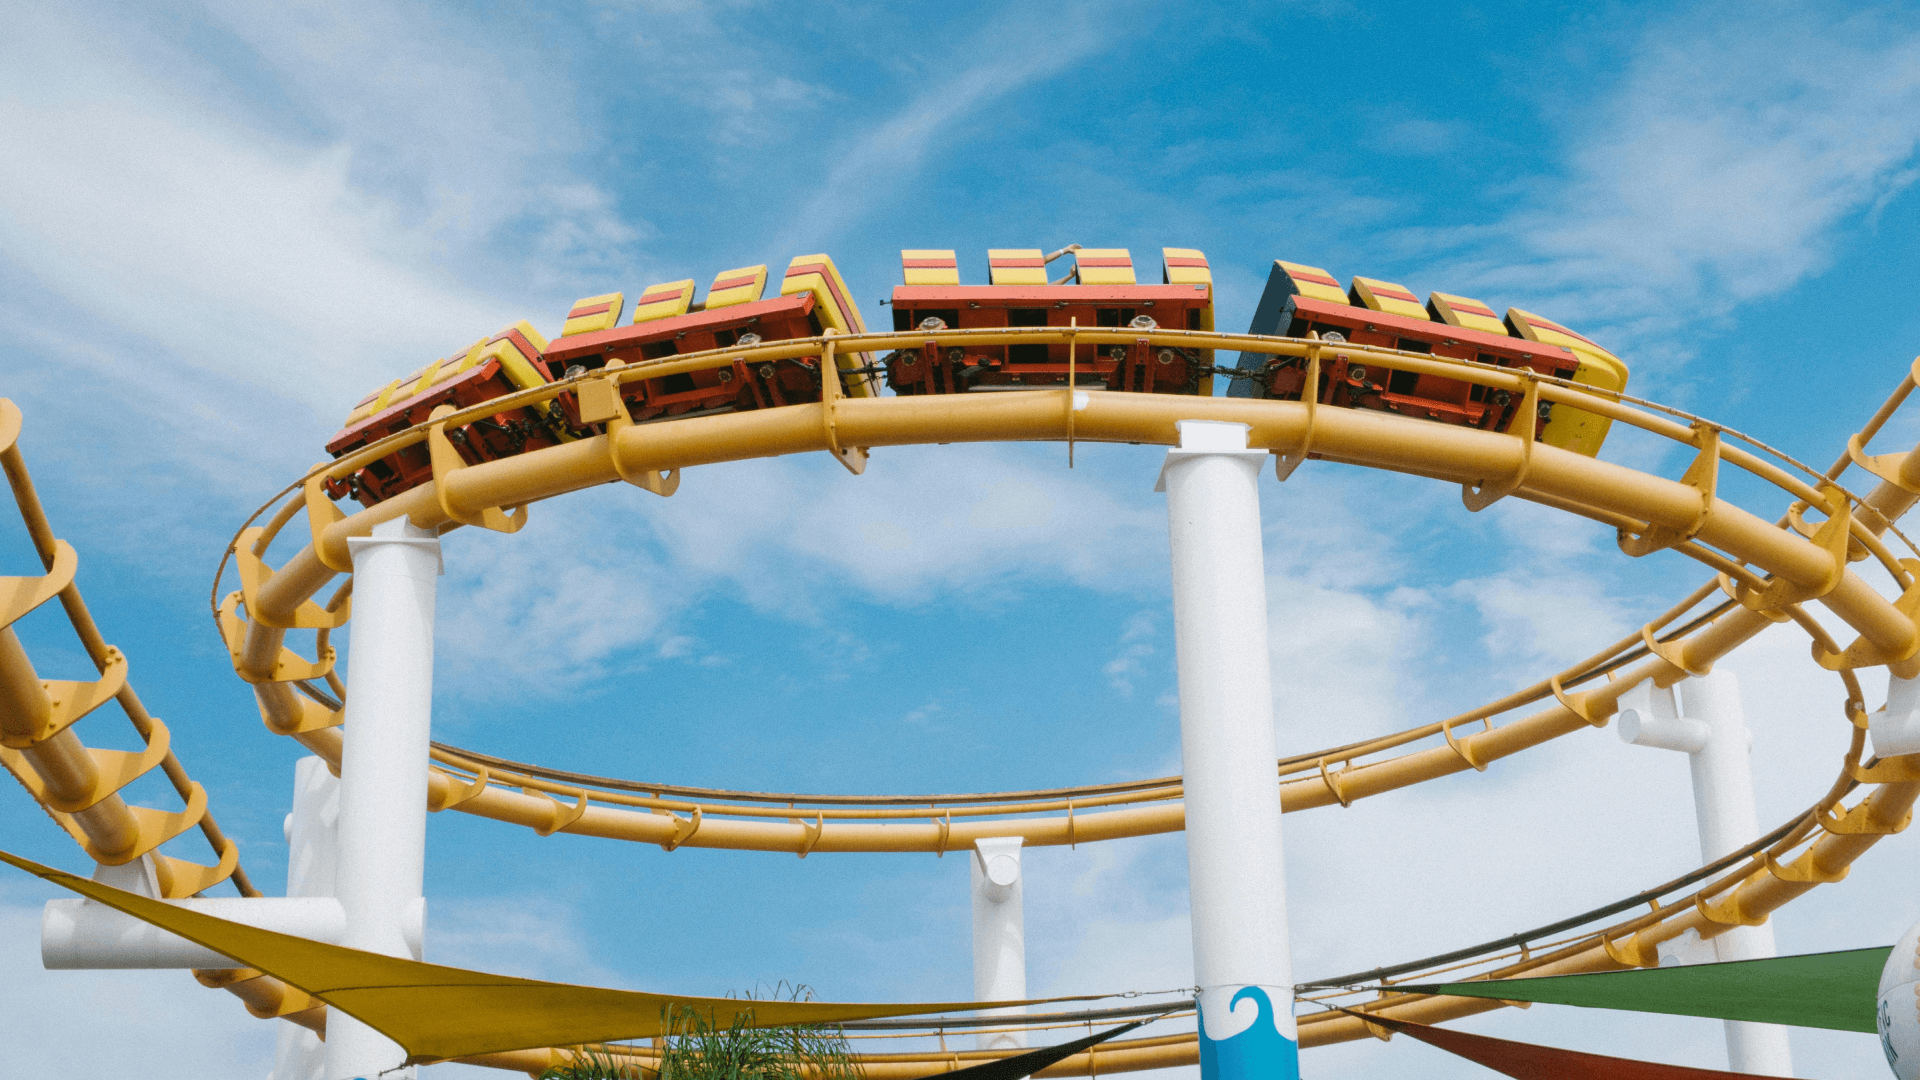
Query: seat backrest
{"type": "Point", "coordinates": [594, 313]}
{"type": "Point", "coordinates": [928, 266]}
{"type": "Point", "coordinates": [1464, 312]}
{"type": "Point", "coordinates": [1017, 266]}
{"type": "Point", "coordinates": [1386, 296]}
{"type": "Point", "coordinates": [741, 286]}
{"type": "Point", "coordinates": [1104, 266]}
{"type": "Point", "coordinates": [664, 301]}
{"type": "Point", "coordinates": [1185, 266]}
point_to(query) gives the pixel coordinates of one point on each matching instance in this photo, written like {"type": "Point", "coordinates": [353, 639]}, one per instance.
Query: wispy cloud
{"type": "Point", "coordinates": [1717, 169]}
{"type": "Point", "coordinates": [1009, 53]}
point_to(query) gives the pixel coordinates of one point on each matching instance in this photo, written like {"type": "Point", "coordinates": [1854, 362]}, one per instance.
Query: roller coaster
{"type": "Point", "coordinates": [1516, 406]}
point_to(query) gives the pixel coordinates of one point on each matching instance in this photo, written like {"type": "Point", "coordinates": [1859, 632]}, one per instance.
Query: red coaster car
{"type": "Point", "coordinates": [1302, 301]}
{"type": "Point", "coordinates": [668, 323]}
{"type": "Point", "coordinates": [491, 368]}
{"type": "Point", "coordinates": [1105, 295]}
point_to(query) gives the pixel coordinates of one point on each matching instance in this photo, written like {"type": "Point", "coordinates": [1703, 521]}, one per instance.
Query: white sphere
{"type": "Point", "coordinates": [1897, 1014]}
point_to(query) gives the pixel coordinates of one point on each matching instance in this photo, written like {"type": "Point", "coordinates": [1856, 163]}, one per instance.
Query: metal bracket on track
{"type": "Point", "coordinates": [181, 878]}
{"type": "Point", "coordinates": [68, 701]}
{"type": "Point", "coordinates": [1482, 494]}
{"type": "Point", "coordinates": [459, 791]}
{"type": "Point", "coordinates": [1864, 653]}
{"type": "Point", "coordinates": [287, 667]}
{"type": "Point", "coordinates": [20, 595]}
{"type": "Point", "coordinates": [1285, 463]}
{"type": "Point", "coordinates": [600, 403]}
{"type": "Point", "coordinates": [562, 815]}
{"type": "Point", "coordinates": [254, 575]}
{"type": "Point", "coordinates": [1832, 537]}
{"type": "Point", "coordinates": [1577, 704]}
{"type": "Point", "coordinates": [114, 769]}
{"type": "Point", "coordinates": [321, 512]}
{"type": "Point", "coordinates": [853, 457]}
{"type": "Point", "coordinates": [1703, 476]}
{"type": "Point", "coordinates": [447, 461]}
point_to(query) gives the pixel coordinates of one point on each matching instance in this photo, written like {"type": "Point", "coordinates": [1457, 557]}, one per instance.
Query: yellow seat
{"type": "Point", "coordinates": [664, 301]}
{"type": "Point", "coordinates": [1185, 266]}
{"type": "Point", "coordinates": [1464, 312]}
{"type": "Point", "coordinates": [1308, 281]}
{"type": "Point", "coordinates": [1017, 266]}
{"type": "Point", "coordinates": [594, 313]}
{"type": "Point", "coordinates": [742, 286]}
{"type": "Point", "coordinates": [1387, 297]}
{"type": "Point", "coordinates": [1104, 266]}
{"type": "Point", "coordinates": [930, 267]}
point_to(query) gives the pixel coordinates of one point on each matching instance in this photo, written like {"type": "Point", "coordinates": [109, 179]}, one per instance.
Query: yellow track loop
{"type": "Point", "coordinates": [1768, 568]}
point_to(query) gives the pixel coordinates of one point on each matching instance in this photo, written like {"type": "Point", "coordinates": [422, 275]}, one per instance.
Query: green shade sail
{"type": "Point", "coordinates": [436, 1013]}
{"type": "Point", "coordinates": [1824, 990]}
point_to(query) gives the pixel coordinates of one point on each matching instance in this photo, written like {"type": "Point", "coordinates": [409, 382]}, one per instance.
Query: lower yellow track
{"type": "Point", "coordinates": [1765, 571]}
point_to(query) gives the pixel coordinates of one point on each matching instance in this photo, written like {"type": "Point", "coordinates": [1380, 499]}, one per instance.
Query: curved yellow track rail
{"type": "Point", "coordinates": [1769, 569]}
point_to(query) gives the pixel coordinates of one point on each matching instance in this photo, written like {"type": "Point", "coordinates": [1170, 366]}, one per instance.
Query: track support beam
{"type": "Point", "coordinates": [383, 769]}
{"type": "Point", "coordinates": [999, 934]}
{"type": "Point", "coordinates": [1237, 882]}
{"type": "Point", "coordinates": [1704, 720]}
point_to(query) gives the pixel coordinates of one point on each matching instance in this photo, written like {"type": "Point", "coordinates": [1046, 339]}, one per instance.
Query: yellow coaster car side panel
{"type": "Point", "coordinates": [1464, 312]}
{"type": "Point", "coordinates": [1386, 296]}
{"type": "Point", "coordinates": [741, 286]}
{"type": "Point", "coordinates": [1573, 429]}
{"type": "Point", "coordinates": [664, 301]}
{"type": "Point", "coordinates": [833, 303]}
{"type": "Point", "coordinates": [594, 313]}
{"type": "Point", "coordinates": [927, 266]}
{"type": "Point", "coordinates": [1104, 266]}
{"type": "Point", "coordinates": [1017, 266]}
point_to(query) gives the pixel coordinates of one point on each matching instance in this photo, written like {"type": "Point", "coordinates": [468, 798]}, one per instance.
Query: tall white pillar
{"type": "Point", "coordinates": [999, 934]}
{"type": "Point", "coordinates": [313, 855]}
{"type": "Point", "coordinates": [1236, 876]}
{"type": "Point", "coordinates": [383, 769]}
{"type": "Point", "coordinates": [1705, 721]}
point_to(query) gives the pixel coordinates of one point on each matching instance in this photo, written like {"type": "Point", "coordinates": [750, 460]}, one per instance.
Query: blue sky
{"type": "Point", "coordinates": [221, 224]}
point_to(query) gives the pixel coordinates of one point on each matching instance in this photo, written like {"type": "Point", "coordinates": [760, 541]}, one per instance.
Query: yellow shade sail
{"type": "Point", "coordinates": [436, 1013]}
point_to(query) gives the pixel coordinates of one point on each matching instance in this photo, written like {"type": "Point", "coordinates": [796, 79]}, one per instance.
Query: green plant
{"type": "Point", "coordinates": [595, 1065]}
{"type": "Point", "coordinates": [695, 1048]}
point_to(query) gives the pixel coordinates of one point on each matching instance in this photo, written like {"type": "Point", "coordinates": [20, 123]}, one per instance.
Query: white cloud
{"type": "Point", "coordinates": [1717, 170]}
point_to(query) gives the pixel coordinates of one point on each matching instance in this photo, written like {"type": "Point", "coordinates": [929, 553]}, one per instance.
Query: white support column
{"type": "Point", "coordinates": [999, 934]}
{"type": "Point", "coordinates": [383, 769]}
{"type": "Point", "coordinates": [313, 863]}
{"type": "Point", "coordinates": [1236, 876]}
{"type": "Point", "coordinates": [1704, 720]}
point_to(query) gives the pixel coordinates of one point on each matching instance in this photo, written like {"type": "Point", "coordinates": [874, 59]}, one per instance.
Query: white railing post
{"type": "Point", "coordinates": [383, 769]}
{"type": "Point", "coordinates": [1236, 877]}
{"type": "Point", "coordinates": [999, 934]}
{"type": "Point", "coordinates": [1704, 720]}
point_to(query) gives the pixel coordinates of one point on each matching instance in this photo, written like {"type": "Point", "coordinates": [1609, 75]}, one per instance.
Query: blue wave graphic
{"type": "Point", "coordinates": [1258, 1053]}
